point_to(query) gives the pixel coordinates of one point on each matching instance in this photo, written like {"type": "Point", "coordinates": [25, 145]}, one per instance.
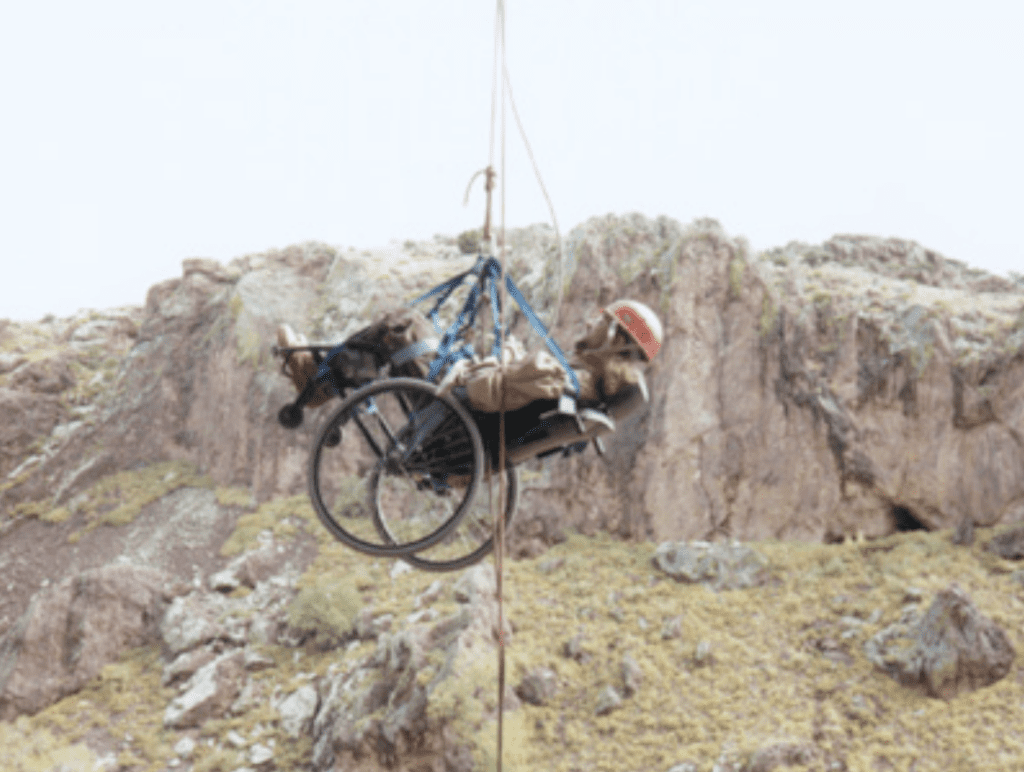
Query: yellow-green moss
{"type": "Point", "coordinates": [27, 748]}
{"type": "Point", "coordinates": [769, 315]}
{"type": "Point", "coordinates": [118, 498]}
{"type": "Point", "coordinates": [58, 515]}
{"type": "Point", "coordinates": [124, 699]}
{"type": "Point", "coordinates": [276, 516]}
{"type": "Point", "coordinates": [327, 610]}
{"type": "Point", "coordinates": [220, 760]}
{"type": "Point", "coordinates": [736, 268]}
{"type": "Point", "coordinates": [234, 497]}
{"type": "Point", "coordinates": [332, 591]}
{"type": "Point", "coordinates": [250, 347]}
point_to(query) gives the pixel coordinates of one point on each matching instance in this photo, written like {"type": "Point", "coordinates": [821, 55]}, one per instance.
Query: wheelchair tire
{"type": "Point", "coordinates": [407, 456]}
{"type": "Point", "coordinates": [473, 540]}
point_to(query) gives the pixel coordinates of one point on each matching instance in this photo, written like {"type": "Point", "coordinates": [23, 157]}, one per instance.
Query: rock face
{"type": "Point", "coordinates": [952, 649]}
{"type": "Point", "coordinates": [811, 392]}
{"type": "Point", "coordinates": [74, 628]}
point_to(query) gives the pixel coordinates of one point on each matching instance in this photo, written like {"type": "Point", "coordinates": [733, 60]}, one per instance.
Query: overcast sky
{"type": "Point", "coordinates": [138, 134]}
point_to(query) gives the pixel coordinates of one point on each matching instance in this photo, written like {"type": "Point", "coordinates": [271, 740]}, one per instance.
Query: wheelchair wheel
{"type": "Point", "coordinates": [402, 454]}
{"type": "Point", "coordinates": [473, 540]}
{"type": "Point", "coordinates": [290, 416]}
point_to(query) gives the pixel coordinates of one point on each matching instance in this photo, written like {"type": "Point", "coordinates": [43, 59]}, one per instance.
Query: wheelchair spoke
{"type": "Point", "coordinates": [416, 469]}
{"type": "Point", "coordinates": [473, 540]}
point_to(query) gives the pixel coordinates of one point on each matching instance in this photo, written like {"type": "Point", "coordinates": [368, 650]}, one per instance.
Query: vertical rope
{"type": "Point", "coordinates": [551, 208]}
{"type": "Point", "coordinates": [499, 523]}
{"type": "Point", "coordinates": [494, 85]}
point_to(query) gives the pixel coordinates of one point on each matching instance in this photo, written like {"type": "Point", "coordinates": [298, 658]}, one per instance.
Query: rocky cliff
{"type": "Point", "coordinates": [154, 529]}
{"type": "Point", "coordinates": [808, 392]}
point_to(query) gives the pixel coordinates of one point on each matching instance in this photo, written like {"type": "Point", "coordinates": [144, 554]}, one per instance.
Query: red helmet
{"type": "Point", "coordinates": [640, 323]}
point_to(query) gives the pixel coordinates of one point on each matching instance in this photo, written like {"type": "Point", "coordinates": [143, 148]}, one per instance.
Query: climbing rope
{"type": "Point", "coordinates": [498, 513]}
{"type": "Point", "coordinates": [499, 519]}
{"type": "Point", "coordinates": [554, 219]}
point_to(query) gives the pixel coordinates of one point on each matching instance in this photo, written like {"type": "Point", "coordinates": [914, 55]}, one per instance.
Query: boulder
{"type": "Point", "coordinates": [721, 566]}
{"type": "Point", "coordinates": [208, 693]}
{"type": "Point", "coordinates": [185, 747]}
{"type": "Point", "coordinates": [574, 648]}
{"type": "Point", "coordinates": [192, 620]}
{"type": "Point", "coordinates": [261, 756]}
{"type": "Point", "coordinates": [608, 700]}
{"type": "Point", "coordinates": [1008, 545]}
{"type": "Point", "coordinates": [72, 629]}
{"type": "Point", "coordinates": [9, 362]}
{"type": "Point", "coordinates": [249, 568]}
{"type": "Point", "coordinates": [952, 649]}
{"type": "Point", "coordinates": [632, 675]}
{"type": "Point", "coordinates": [185, 664]}
{"type": "Point", "coordinates": [297, 710]}
{"type": "Point", "coordinates": [538, 686]}
{"type": "Point", "coordinates": [343, 724]}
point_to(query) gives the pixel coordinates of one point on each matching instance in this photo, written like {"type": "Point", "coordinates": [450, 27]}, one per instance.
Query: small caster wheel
{"type": "Point", "coordinates": [290, 416]}
{"type": "Point", "coordinates": [333, 438]}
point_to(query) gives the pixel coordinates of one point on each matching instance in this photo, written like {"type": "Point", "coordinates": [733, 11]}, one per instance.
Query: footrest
{"type": "Point", "coordinates": [597, 417]}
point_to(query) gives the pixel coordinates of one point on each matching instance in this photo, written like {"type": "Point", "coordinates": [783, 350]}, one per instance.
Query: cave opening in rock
{"type": "Point", "coordinates": [904, 519]}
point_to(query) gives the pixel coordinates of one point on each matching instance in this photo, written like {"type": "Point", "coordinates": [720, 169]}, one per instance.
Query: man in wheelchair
{"type": "Point", "coordinates": [532, 389]}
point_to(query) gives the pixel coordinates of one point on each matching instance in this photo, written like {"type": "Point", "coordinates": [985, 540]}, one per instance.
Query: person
{"type": "Point", "coordinates": [608, 360]}
{"type": "Point", "coordinates": [615, 350]}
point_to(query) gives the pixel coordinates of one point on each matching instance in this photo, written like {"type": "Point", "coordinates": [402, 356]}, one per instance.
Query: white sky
{"type": "Point", "coordinates": [136, 134]}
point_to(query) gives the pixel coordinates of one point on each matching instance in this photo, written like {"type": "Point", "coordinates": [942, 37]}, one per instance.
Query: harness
{"type": "Point", "coordinates": [486, 272]}
{"type": "Point", "coordinates": [450, 347]}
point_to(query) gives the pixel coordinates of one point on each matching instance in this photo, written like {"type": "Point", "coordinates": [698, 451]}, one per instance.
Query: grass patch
{"type": "Point", "coordinates": [326, 610]}
{"type": "Point", "coordinates": [124, 700]}
{"type": "Point", "coordinates": [235, 497]}
{"type": "Point", "coordinates": [118, 498]}
{"type": "Point", "coordinates": [766, 676]}
{"type": "Point", "coordinates": [737, 266]}
{"type": "Point", "coordinates": [27, 748]}
{"type": "Point", "coordinates": [278, 516]}
{"type": "Point", "coordinates": [769, 316]}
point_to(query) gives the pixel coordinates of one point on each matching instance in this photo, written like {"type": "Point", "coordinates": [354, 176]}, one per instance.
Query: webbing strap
{"type": "Point", "coordinates": [446, 354]}
{"type": "Point", "coordinates": [487, 269]}
{"type": "Point", "coordinates": [444, 289]}
{"type": "Point", "coordinates": [496, 316]}
{"type": "Point", "coordinates": [324, 372]}
{"type": "Point", "coordinates": [541, 330]}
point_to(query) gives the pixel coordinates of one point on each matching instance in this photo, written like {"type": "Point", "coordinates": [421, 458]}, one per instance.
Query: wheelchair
{"type": "Point", "coordinates": [399, 469]}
